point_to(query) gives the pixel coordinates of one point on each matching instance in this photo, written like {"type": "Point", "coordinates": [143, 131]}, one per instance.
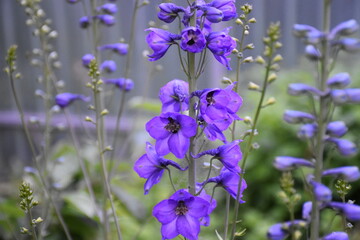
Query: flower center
{"type": "Point", "coordinates": [191, 42]}
{"type": "Point", "coordinates": [181, 208]}
{"type": "Point", "coordinates": [210, 99]}
{"type": "Point", "coordinates": [173, 126]}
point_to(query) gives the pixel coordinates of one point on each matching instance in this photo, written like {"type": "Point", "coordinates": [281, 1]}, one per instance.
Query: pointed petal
{"type": "Point", "coordinates": [152, 180]}
{"type": "Point", "coordinates": [164, 211]}
{"type": "Point", "coordinates": [144, 167]}
{"type": "Point", "coordinates": [162, 146]}
{"type": "Point", "coordinates": [188, 226]}
{"type": "Point", "coordinates": [169, 230]}
{"type": "Point", "coordinates": [178, 145]}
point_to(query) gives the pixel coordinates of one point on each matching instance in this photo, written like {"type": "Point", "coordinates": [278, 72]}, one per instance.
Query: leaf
{"type": "Point", "coordinates": [82, 202]}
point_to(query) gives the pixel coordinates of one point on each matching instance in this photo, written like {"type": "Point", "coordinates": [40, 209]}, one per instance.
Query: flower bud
{"type": "Point", "coordinates": [336, 129]}
{"type": "Point", "coordinates": [293, 117]}
{"type": "Point", "coordinates": [307, 131]}
{"type": "Point", "coordinates": [345, 147]}
{"type": "Point", "coordinates": [348, 173]}
{"type": "Point", "coordinates": [312, 53]}
{"type": "Point", "coordinates": [339, 80]}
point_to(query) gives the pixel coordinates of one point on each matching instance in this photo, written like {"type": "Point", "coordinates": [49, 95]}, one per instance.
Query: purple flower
{"type": "Point", "coordinates": [72, 1]}
{"type": "Point", "coordinates": [345, 147]}
{"type": "Point", "coordinates": [169, 11]}
{"type": "Point", "coordinates": [172, 132]}
{"type": "Point", "coordinates": [311, 34]}
{"type": "Point", "coordinates": [109, 8]}
{"type": "Point", "coordinates": [159, 41]}
{"type": "Point", "coordinates": [211, 131]}
{"type": "Point", "coordinates": [122, 83]}
{"type": "Point", "coordinates": [344, 29]}
{"type": "Point", "coordinates": [221, 45]}
{"type": "Point", "coordinates": [348, 44]}
{"type": "Point", "coordinates": [322, 193]}
{"type": "Point", "coordinates": [291, 116]}
{"type": "Point", "coordinates": [306, 211]}
{"type": "Point", "coordinates": [336, 129]}
{"type": "Point", "coordinates": [205, 221]}
{"type": "Point", "coordinates": [350, 95]}
{"type": "Point", "coordinates": [286, 163]}
{"type": "Point", "coordinates": [212, 14]}
{"type": "Point", "coordinates": [65, 99]}
{"type": "Point", "coordinates": [151, 166]}
{"type": "Point", "coordinates": [84, 22]}
{"type": "Point", "coordinates": [217, 105]}
{"type": "Point", "coordinates": [280, 231]}
{"type": "Point", "coordinates": [230, 182]}
{"type": "Point", "coordinates": [175, 96]}
{"type": "Point", "coordinates": [297, 89]}
{"type": "Point", "coordinates": [192, 40]}
{"type": "Point", "coordinates": [108, 66]}
{"type": "Point", "coordinates": [348, 173]}
{"type": "Point", "coordinates": [312, 53]}
{"type": "Point", "coordinates": [351, 211]}
{"type": "Point", "coordinates": [181, 214]}
{"type": "Point", "coordinates": [227, 7]}
{"type": "Point", "coordinates": [106, 19]}
{"type": "Point", "coordinates": [307, 131]}
{"type": "Point", "coordinates": [86, 59]}
{"type": "Point", "coordinates": [336, 236]}
{"type": "Point", "coordinates": [339, 80]}
{"type": "Point", "coordinates": [120, 48]}
{"type": "Point", "coordinates": [228, 154]}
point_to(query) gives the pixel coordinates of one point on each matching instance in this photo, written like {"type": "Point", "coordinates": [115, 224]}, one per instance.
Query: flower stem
{"type": "Point", "coordinates": [321, 121]}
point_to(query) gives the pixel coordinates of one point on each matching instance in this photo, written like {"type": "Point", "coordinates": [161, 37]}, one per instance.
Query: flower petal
{"type": "Point", "coordinates": [188, 226]}
{"type": "Point", "coordinates": [164, 211]}
{"type": "Point", "coordinates": [178, 145]}
{"type": "Point", "coordinates": [169, 230]}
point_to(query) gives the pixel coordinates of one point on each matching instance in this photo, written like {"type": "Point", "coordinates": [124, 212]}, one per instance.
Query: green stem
{"type": "Point", "coordinates": [227, 215]}
{"type": "Point", "coordinates": [322, 121]}
{"type": "Point", "coordinates": [249, 143]}
{"type": "Point", "coordinates": [33, 230]}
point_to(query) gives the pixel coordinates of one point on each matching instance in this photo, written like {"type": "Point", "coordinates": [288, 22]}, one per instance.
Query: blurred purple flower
{"type": "Point", "coordinates": [159, 41]}
{"type": "Point", "coordinates": [286, 163]}
{"type": "Point", "coordinates": [221, 45]}
{"type": "Point", "coordinates": [322, 193]}
{"type": "Point", "coordinates": [211, 131]}
{"type": "Point", "coordinates": [172, 132]}
{"type": "Point", "coordinates": [281, 231]}
{"type": "Point", "coordinates": [84, 22]}
{"type": "Point", "coordinates": [169, 11]}
{"type": "Point", "coordinates": [108, 66]}
{"type": "Point", "coordinates": [296, 89]}
{"type": "Point", "coordinates": [348, 44]}
{"type": "Point", "coordinates": [351, 211]}
{"type": "Point", "coordinates": [120, 48]}
{"type": "Point", "coordinates": [348, 173]}
{"type": "Point", "coordinates": [336, 236]}
{"type": "Point", "coordinates": [306, 211]}
{"type": "Point", "coordinates": [228, 154]}
{"type": "Point", "coordinates": [122, 83]}
{"type": "Point", "coordinates": [174, 96]}
{"type": "Point", "coordinates": [227, 7]}
{"type": "Point", "coordinates": [109, 8]}
{"type": "Point", "coordinates": [192, 40]}
{"type": "Point", "coordinates": [181, 214]}
{"type": "Point", "coordinates": [307, 131]}
{"type": "Point", "coordinates": [345, 147]}
{"type": "Point", "coordinates": [230, 182]}
{"type": "Point", "coordinates": [86, 59]}
{"type": "Point", "coordinates": [65, 99]}
{"type": "Point", "coordinates": [336, 129]}
{"type": "Point", "coordinates": [151, 166]}
{"type": "Point", "coordinates": [344, 29]}
{"type": "Point", "coordinates": [106, 19]}
{"type": "Point", "coordinates": [350, 95]}
{"type": "Point", "coordinates": [293, 117]}
{"type": "Point", "coordinates": [339, 80]}
{"type": "Point", "coordinates": [312, 53]}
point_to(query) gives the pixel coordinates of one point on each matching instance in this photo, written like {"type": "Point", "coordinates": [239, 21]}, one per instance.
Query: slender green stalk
{"type": "Point", "coordinates": [33, 230]}
{"type": "Point", "coordinates": [249, 142]}
{"type": "Point", "coordinates": [321, 121]}
{"type": "Point", "coordinates": [34, 154]}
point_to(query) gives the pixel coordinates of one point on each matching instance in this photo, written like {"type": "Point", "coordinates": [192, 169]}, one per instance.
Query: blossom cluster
{"type": "Point", "coordinates": [318, 126]}
{"type": "Point", "coordinates": [197, 38]}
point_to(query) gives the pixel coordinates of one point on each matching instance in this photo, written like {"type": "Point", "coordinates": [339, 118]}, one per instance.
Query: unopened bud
{"type": "Point", "coordinates": [270, 101]}
{"type": "Point", "coordinates": [104, 112]}
{"type": "Point", "coordinates": [272, 77]}
{"type": "Point", "coordinates": [247, 120]}
{"type": "Point", "coordinates": [249, 59]}
{"type": "Point", "coordinates": [278, 58]}
{"type": "Point", "coordinates": [239, 22]}
{"type": "Point", "coordinates": [38, 220]}
{"type": "Point", "coordinates": [253, 86]}
{"type": "Point", "coordinates": [246, 32]}
{"type": "Point", "coordinates": [252, 20]}
{"type": "Point", "coordinates": [278, 45]}
{"type": "Point", "coordinates": [250, 46]}
{"type": "Point", "coordinates": [275, 67]}
{"type": "Point", "coordinates": [259, 60]}
{"type": "Point", "coordinates": [89, 119]}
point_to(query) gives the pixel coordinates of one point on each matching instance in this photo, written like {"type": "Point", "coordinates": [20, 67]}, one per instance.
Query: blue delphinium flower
{"type": "Point", "coordinates": [339, 80]}
{"type": "Point", "coordinates": [108, 66]}
{"type": "Point", "coordinates": [228, 154]}
{"type": "Point", "coordinates": [351, 211]}
{"type": "Point", "coordinates": [281, 231]}
{"type": "Point", "coordinates": [122, 83]}
{"type": "Point", "coordinates": [344, 29]}
{"type": "Point", "coordinates": [307, 131]}
{"type": "Point", "coordinates": [336, 129]}
{"type": "Point", "coordinates": [86, 59]}
{"type": "Point", "coordinates": [174, 96]}
{"type": "Point", "coordinates": [211, 131]}
{"type": "Point", "coordinates": [120, 48]}
{"type": "Point", "coordinates": [296, 89]}
{"type": "Point", "coordinates": [221, 44]}
{"type": "Point", "coordinates": [230, 182]}
{"type": "Point", "coordinates": [348, 44]}
{"type": "Point", "coordinates": [181, 214]}
{"type": "Point", "coordinates": [169, 12]}
{"type": "Point", "coordinates": [312, 53]}
{"type": "Point", "coordinates": [212, 14]}
{"type": "Point", "coordinates": [106, 19]}
{"type": "Point", "coordinates": [306, 210]}
{"type": "Point", "coordinates": [84, 22]}
{"type": "Point", "coordinates": [65, 99]}
{"type": "Point", "coordinates": [348, 173]}
{"type": "Point", "coordinates": [292, 116]}
{"type": "Point", "coordinates": [344, 146]}
{"type": "Point", "coordinates": [109, 8]}
{"type": "Point", "coordinates": [159, 41]}
{"type": "Point", "coordinates": [192, 40]}
{"type": "Point", "coordinates": [286, 163]}
{"type": "Point", "coordinates": [336, 236]}
{"type": "Point", "coordinates": [321, 192]}
{"type": "Point", "coordinates": [172, 132]}
{"type": "Point", "coordinates": [350, 95]}
{"type": "Point", "coordinates": [151, 166]}
{"type": "Point", "coordinates": [227, 7]}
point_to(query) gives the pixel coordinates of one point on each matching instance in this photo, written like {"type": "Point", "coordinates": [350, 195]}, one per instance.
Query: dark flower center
{"type": "Point", "coordinates": [181, 208]}
{"type": "Point", "coordinates": [191, 42]}
{"type": "Point", "coordinates": [210, 99]}
{"type": "Point", "coordinates": [173, 126]}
